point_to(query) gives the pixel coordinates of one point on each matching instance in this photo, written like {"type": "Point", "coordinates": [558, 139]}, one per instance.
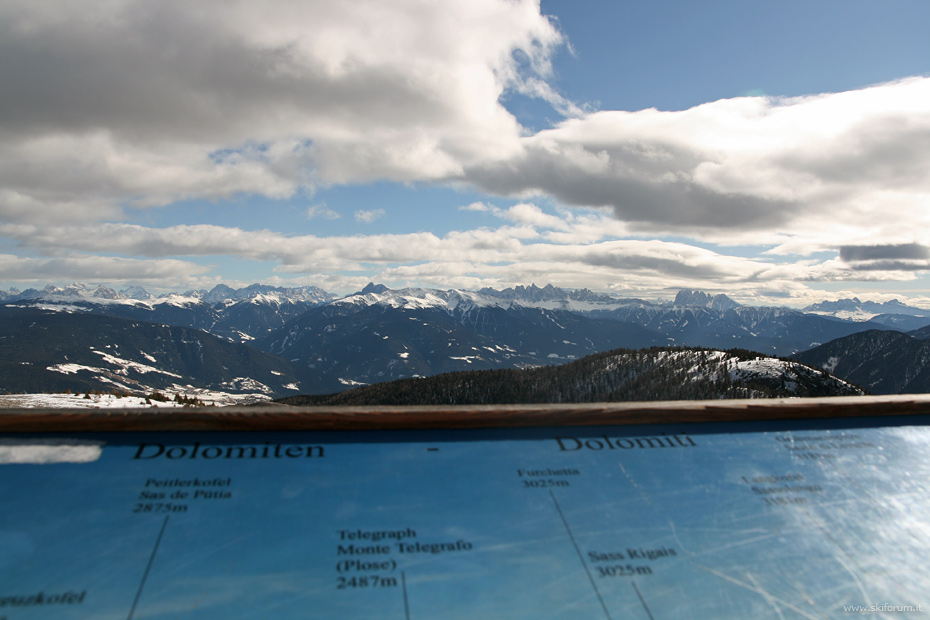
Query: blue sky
{"type": "Point", "coordinates": [776, 152]}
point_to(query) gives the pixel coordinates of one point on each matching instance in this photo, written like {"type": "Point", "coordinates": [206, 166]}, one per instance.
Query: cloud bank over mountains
{"type": "Point", "coordinates": [121, 106]}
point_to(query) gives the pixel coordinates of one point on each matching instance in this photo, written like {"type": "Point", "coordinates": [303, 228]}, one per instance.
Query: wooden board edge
{"type": "Point", "coordinates": [490, 416]}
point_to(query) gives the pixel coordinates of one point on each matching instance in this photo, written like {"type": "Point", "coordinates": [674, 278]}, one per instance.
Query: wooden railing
{"type": "Point", "coordinates": [428, 417]}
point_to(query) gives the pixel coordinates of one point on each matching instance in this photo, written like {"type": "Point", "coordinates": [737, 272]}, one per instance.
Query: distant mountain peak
{"type": "Point", "coordinates": [265, 293]}
{"type": "Point", "coordinates": [687, 297]}
{"type": "Point", "coordinates": [548, 293]}
{"type": "Point", "coordinates": [856, 309]}
{"type": "Point", "coordinates": [102, 292]}
{"type": "Point", "coordinates": [372, 288]}
{"type": "Point", "coordinates": [219, 292]}
{"type": "Point", "coordinates": [135, 292]}
{"type": "Point", "coordinates": [526, 293]}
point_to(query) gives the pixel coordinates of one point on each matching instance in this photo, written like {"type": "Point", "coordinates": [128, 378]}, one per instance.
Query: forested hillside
{"type": "Point", "coordinates": [884, 362]}
{"type": "Point", "coordinates": [619, 375]}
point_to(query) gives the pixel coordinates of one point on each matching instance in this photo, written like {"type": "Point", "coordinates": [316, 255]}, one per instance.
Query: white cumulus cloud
{"type": "Point", "coordinates": [367, 216]}
{"type": "Point", "coordinates": [747, 169]}
{"type": "Point", "coordinates": [144, 103]}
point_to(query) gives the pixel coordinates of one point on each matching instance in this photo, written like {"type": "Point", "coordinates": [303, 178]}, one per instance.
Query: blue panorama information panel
{"type": "Point", "coordinates": [815, 519]}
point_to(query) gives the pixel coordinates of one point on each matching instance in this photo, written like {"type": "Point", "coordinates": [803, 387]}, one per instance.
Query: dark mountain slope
{"type": "Point", "coordinates": [921, 334]}
{"type": "Point", "coordinates": [351, 344]}
{"type": "Point", "coordinates": [621, 375]}
{"type": "Point", "coordinates": [42, 351]}
{"type": "Point", "coordinates": [774, 331]}
{"type": "Point", "coordinates": [253, 318]}
{"type": "Point", "coordinates": [883, 362]}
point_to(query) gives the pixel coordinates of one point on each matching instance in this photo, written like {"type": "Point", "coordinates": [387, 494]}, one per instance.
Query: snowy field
{"type": "Point", "coordinates": [109, 401]}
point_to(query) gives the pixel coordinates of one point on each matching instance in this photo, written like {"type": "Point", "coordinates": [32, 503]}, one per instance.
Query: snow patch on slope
{"type": "Point", "coordinates": [247, 384]}
{"type": "Point", "coordinates": [126, 365]}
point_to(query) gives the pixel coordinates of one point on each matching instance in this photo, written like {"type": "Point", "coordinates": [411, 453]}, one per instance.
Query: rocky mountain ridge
{"type": "Point", "coordinates": [238, 315]}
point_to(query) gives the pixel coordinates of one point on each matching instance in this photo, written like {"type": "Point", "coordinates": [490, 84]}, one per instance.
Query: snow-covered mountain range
{"type": "Point", "coordinates": [329, 343]}
{"type": "Point", "coordinates": [891, 313]}
{"type": "Point", "coordinates": [221, 292]}
{"type": "Point", "coordinates": [239, 315]}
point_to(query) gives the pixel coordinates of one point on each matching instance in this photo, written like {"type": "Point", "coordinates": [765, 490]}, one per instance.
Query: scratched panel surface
{"type": "Point", "coordinates": [748, 520]}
